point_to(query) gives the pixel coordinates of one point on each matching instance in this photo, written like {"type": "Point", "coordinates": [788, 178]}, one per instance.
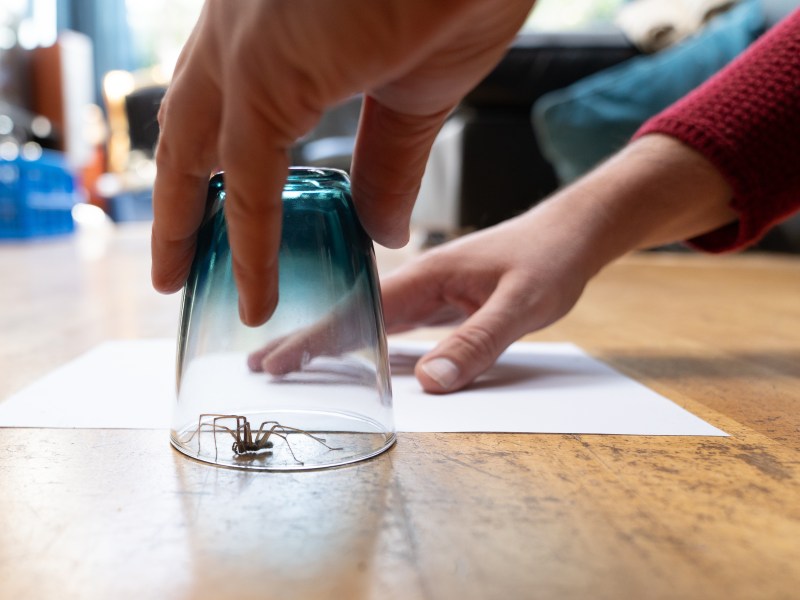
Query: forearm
{"type": "Point", "coordinates": [655, 191]}
{"type": "Point", "coordinates": [746, 122]}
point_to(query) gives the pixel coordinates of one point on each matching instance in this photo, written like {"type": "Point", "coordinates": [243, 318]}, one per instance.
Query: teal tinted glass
{"type": "Point", "coordinates": [311, 387]}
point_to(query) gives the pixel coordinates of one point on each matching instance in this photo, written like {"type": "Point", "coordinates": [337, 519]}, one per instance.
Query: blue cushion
{"type": "Point", "coordinates": [578, 126]}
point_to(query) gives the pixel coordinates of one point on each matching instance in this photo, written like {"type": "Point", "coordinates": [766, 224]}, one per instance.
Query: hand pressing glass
{"type": "Point", "coordinates": [256, 75]}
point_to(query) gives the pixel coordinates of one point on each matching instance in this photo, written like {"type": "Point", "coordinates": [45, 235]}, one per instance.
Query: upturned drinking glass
{"type": "Point", "coordinates": [310, 388]}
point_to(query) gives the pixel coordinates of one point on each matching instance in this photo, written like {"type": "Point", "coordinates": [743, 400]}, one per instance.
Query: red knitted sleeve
{"type": "Point", "coordinates": [746, 121]}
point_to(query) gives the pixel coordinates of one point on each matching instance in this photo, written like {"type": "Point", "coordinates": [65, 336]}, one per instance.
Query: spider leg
{"type": "Point", "coordinates": [287, 430]}
{"type": "Point", "coordinates": [285, 439]}
{"type": "Point", "coordinates": [262, 435]}
{"type": "Point", "coordinates": [200, 424]}
{"type": "Point", "coordinates": [247, 438]}
{"type": "Point", "coordinates": [238, 439]}
{"type": "Point", "coordinates": [283, 431]}
{"type": "Point", "coordinates": [214, 426]}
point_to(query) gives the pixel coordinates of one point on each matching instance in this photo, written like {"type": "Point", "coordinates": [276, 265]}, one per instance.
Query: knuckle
{"type": "Point", "coordinates": [280, 113]}
{"type": "Point", "coordinates": [476, 343]}
{"type": "Point", "coordinates": [181, 149]}
{"type": "Point", "coordinates": [245, 208]}
{"type": "Point", "coordinates": [164, 156]}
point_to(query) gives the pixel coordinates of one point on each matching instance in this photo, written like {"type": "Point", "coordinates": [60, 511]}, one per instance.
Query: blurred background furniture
{"type": "Point", "coordinates": [501, 170]}
{"type": "Point", "coordinates": [557, 104]}
{"type": "Point", "coordinates": [576, 83]}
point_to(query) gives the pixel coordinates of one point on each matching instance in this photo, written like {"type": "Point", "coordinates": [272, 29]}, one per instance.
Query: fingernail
{"type": "Point", "coordinates": [442, 370]}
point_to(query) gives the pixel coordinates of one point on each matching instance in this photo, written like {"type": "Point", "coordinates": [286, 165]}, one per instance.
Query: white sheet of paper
{"type": "Point", "coordinates": [534, 388]}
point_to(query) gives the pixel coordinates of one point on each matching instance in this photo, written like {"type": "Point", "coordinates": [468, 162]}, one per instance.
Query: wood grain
{"type": "Point", "coordinates": [102, 513]}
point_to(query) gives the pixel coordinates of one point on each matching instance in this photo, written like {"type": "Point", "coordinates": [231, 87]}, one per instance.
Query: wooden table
{"type": "Point", "coordinates": [119, 514]}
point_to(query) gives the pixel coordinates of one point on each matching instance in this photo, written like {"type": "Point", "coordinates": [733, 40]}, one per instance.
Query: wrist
{"type": "Point", "coordinates": [653, 192]}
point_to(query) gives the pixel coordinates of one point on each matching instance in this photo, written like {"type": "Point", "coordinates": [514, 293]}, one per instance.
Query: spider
{"type": "Point", "coordinates": [247, 442]}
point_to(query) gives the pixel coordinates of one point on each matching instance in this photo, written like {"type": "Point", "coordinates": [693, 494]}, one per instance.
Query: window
{"type": "Point", "coordinates": [159, 29]}
{"type": "Point", "coordinates": [570, 14]}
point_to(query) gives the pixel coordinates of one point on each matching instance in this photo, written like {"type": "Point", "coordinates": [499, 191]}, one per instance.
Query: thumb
{"type": "Point", "coordinates": [469, 350]}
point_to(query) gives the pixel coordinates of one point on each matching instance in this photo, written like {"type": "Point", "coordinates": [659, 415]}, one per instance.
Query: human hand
{"type": "Point", "coordinates": [495, 285]}
{"type": "Point", "coordinates": [255, 76]}
{"type": "Point", "coordinates": [336, 333]}
{"type": "Point", "coordinates": [526, 273]}
{"type": "Point", "coordinates": [503, 286]}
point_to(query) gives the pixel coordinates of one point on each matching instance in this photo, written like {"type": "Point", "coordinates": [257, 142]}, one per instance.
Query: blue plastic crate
{"type": "Point", "coordinates": [36, 197]}
{"type": "Point", "coordinates": [131, 205]}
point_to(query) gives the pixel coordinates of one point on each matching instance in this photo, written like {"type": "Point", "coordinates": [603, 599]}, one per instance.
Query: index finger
{"type": "Point", "coordinates": [185, 156]}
